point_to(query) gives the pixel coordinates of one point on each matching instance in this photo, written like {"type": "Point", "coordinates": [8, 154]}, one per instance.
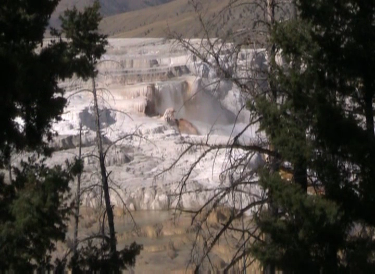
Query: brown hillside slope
{"type": "Point", "coordinates": [179, 16]}
{"type": "Point", "coordinates": [108, 7]}
{"type": "Point", "coordinates": [157, 21]}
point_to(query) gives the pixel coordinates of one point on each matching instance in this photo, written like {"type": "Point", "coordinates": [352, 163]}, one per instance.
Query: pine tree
{"type": "Point", "coordinates": [32, 204]}
{"type": "Point", "coordinates": [30, 99]}
{"type": "Point", "coordinates": [323, 128]}
{"type": "Point", "coordinates": [33, 214]}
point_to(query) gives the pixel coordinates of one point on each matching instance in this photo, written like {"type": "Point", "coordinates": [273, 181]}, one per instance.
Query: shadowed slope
{"type": "Point", "coordinates": [108, 7]}
{"type": "Point", "coordinates": [179, 16]}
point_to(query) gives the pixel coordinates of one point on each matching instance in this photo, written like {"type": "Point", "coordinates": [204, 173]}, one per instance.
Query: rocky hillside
{"type": "Point", "coordinates": [161, 18]}
{"type": "Point", "coordinates": [221, 18]}
{"type": "Point", "coordinates": [175, 16]}
{"type": "Point", "coordinates": [109, 7]}
{"type": "Point", "coordinates": [144, 78]}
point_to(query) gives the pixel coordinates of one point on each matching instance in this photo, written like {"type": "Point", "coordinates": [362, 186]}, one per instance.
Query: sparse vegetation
{"type": "Point", "coordinates": [298, 197]}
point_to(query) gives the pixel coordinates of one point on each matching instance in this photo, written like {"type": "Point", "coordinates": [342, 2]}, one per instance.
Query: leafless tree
{"type": "Point", "coordinates": [78, 195]}
{"type": "Point", "coordinates": [103, 170]}
{"type": "Point", "coordinates": [105, 185]}
{"type": "Point", "coordinates": [236, 45]}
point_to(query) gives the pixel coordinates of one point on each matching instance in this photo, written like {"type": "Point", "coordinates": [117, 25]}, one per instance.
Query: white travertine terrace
{"type": "Point", "coordinates": [138, 80]}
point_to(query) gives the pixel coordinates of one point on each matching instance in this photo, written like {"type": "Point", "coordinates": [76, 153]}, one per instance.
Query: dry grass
{"type": "Point", "coordinates": [108, 7]}
{"type": "Point", "coordinates": [150, 18]}
{"type": "Point", "coordinates": [158, 21]}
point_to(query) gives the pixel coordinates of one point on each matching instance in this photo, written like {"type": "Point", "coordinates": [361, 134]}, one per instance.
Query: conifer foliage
{"type": "Point", "coordinates": [33, 214]}
{"type": "Point", "coordinates": [30, 96]}
{"type": "Point", "coordinates": [33, 203]}
{"type": "Point", "coordinates": [322, 125]}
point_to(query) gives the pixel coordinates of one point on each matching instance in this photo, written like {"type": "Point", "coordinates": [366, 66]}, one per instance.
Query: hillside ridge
{"type": "Point", "coordinates": [160, 21]}
{"type": "Point", "coordinates": [108, 7]}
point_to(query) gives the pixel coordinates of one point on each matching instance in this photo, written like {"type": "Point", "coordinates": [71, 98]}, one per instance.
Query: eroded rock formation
{"type": "Point", "coordinates": [183, 126]}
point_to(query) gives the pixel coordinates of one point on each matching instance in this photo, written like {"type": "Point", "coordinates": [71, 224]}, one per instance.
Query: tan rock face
{"type": "Point", "coordinates": [154, 248]}
{"type": "Point", "coordinates": [183, 126]}
{"type": "Point", "coordinates": [167, 240]}
{"type": "Point", "coordinates": [170, 230]}
{"type": "Point", "coordinates": [152, 231]}
{"type": "Point", "coordinates": [169, 116]}
{"type": "Point", "coordinates": [118, 212]}
{"type": "Point", "coordinates": [219, 215]}
{"type": "Point", "coordinates": [183, 271]}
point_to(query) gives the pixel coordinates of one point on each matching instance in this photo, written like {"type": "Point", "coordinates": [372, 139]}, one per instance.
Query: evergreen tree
{"type": "Point", "coordinates": [33, 204]}
{"type": "Point", "coordinates": [33, 212]}
{"type": "Point", "coordinates": [323, 128]}
{"type": "Point", "coordinates": [30, 97]}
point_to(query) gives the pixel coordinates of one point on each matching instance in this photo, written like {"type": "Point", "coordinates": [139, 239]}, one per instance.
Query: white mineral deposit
{"type": "Point", "coordinates": [138, 80]}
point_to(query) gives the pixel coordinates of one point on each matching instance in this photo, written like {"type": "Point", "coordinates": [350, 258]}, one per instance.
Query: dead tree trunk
{"type": "Point", "coordinates": [103, 172]}
{"type": "Point", "coordinates": [271, 12]}
{"type": "Point", "coordinates": [294, 10]}
{"type": "Point", "coordinates": [10, 169]}
{"type": "Point", "coordinates": [78, 197]}
{"type": "Point", "coordinates": [271, 49]}
{"type": "Point", "coordinates": [369, 111]}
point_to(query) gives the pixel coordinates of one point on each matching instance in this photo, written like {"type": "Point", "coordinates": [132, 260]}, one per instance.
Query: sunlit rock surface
{"type": "Point", "coordinates": [138, 80]}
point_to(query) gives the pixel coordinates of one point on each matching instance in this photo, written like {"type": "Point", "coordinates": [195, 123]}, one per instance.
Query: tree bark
{"type": "Point", "coordinates": [271, 12]}
{"type": "Point", "coordinates": [76, 214]}
{"type": "Point", "coordinates": [271, 51]}
{"type": "Point", "coordinates": [78, 197]}
{"type": "Point", "coordinates": [103, 172]}
{"type": "Point", "coordinates": [294, 10]}
{"type": "Point", "coordinates": [369, 113]}
{"type": "Point", "coordinates": [10, 169]}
